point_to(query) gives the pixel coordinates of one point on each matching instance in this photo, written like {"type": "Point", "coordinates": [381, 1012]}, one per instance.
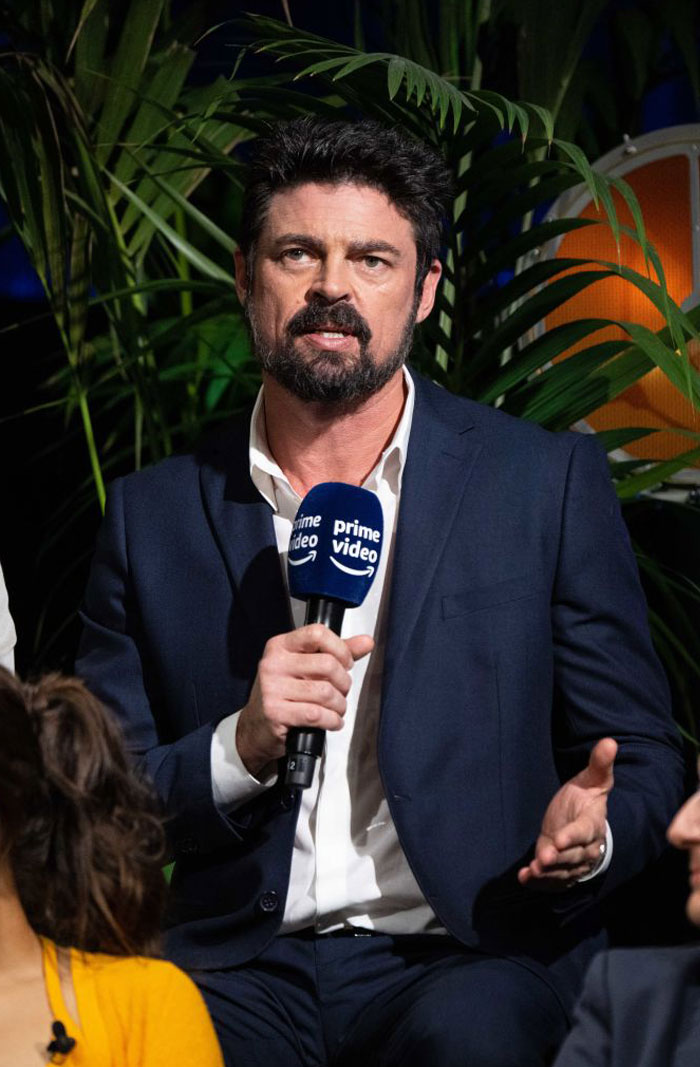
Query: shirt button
{"type": "Point", "coordinates": [269, 901]}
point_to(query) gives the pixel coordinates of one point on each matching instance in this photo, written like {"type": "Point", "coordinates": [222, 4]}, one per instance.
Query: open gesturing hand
{"type": "Point", "coordinates": [573, 828]}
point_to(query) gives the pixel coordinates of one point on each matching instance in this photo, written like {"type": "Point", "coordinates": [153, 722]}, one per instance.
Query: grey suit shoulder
{"type": "Point", "coordinates": [639, 1008]}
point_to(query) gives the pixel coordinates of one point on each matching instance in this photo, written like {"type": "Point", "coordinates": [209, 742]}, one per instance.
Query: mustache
{"type": "Point", "coordinates": [344, 317]}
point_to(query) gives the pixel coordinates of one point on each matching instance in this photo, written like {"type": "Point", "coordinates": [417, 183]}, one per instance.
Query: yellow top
{"type": "Point", "coordinates": [133, 1012]}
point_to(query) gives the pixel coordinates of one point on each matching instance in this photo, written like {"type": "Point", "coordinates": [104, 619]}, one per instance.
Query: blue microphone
{"type": "Point", "coordinates": [334, 552]}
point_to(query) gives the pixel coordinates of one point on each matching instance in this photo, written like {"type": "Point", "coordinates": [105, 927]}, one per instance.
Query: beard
{"type": "Point", "coordinates": [331, 377]}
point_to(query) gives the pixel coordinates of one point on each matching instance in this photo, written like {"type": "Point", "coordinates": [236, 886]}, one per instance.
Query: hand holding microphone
{"type": "Point", "coordinates": [302, 680]}
{"type": "Point", "coordinates": [303, 677]}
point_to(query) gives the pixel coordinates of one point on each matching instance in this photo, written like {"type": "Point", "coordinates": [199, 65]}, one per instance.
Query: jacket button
{"type": "Point", "coordinates": [187, 846]}
{"type": "Point", "coordinates": [287, 800]}
{"type": "Point", "coordinates": [269, 901]}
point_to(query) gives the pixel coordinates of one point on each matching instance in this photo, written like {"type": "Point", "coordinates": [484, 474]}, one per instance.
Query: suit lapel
{"type": "Point", "coordinates": [440, 459]}
{"type": "Point", "coordinates": [242, 525]}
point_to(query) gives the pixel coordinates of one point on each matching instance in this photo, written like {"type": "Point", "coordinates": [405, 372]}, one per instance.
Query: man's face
{"type": "Point", "coordinates": [684, 832]}
{"type": "Point", "coordinates": [333, 299]}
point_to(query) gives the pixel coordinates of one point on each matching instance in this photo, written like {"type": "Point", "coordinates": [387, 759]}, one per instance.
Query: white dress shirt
{"type": "Point", "coordinates": [348, 868]}
{"type": "Point", "coordinates": [8, 636]}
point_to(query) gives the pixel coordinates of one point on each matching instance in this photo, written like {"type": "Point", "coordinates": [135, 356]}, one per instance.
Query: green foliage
{"type": "Point", "coordinates": [99, 155]}
{"type": "Point", "coordinates": [123, 183]}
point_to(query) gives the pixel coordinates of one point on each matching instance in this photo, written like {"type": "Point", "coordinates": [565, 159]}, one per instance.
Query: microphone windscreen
{"type": "Point", "coordinates": [336, 543]}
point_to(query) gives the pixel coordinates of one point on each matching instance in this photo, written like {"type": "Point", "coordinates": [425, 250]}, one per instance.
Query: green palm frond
{"type": "Point", "coordinates": [418, 85]}
{"type": "Point", "coordinates": [124, 184]}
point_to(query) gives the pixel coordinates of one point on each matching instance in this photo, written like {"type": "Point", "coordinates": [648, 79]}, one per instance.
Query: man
{"type": "Point", "coordinates": [433, 897]}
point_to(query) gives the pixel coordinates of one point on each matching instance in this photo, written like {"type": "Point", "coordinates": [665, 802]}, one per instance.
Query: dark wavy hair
{"type": "Point", "coordinates": [309, 149]}
{"type": "Point", "coordinates": [79, 828]}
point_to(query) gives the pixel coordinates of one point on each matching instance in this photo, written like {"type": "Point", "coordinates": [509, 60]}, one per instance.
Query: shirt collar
{"type": "Point", "coordinates": [273, 485]}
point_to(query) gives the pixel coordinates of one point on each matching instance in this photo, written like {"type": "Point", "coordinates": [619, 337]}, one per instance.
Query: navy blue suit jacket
{"type": "Point", "coordinates": [517, 637]}
{"type": "Point", "coordinates": [639, 1008]}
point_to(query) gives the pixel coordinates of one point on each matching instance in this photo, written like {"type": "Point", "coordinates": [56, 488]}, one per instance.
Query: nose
{"type": "Point", "coordinates": [684, 831]}
{"type": "Point", "coordinates": [331, 281]}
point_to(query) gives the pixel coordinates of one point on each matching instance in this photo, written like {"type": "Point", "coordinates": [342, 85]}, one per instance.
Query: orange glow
{"type": "Point", "coordinates": [663, 190]}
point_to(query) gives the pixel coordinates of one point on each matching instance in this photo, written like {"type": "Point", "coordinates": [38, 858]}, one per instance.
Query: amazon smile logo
{"type": "Point", "coordinates": [307, 559]}
{"type": "Point", "coordinates": [369, 571]}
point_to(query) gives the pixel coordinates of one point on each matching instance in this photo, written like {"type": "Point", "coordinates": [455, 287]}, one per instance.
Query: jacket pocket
{"type": "Point", "coordinates": [490, 596]}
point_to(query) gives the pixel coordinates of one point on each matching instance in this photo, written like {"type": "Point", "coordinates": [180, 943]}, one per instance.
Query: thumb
{"type": "Point", "coordinates": [599, 772]}
{"type": "Point", "coordinates": [360, 645]}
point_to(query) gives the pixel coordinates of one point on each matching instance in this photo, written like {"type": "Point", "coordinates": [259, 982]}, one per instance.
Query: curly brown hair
{"type": "Point", "coordinates": [79, 827]}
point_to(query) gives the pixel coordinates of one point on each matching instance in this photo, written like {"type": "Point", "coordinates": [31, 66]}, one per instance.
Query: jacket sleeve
{"type": "Point", "coordinates": [111, 660]}
{"type": "Point", "coordinates": [607, 678]}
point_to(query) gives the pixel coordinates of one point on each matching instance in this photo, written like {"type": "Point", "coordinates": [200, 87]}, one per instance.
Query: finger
{"type": "Point", "coordinates": [576, 857]}
{"type": "Point", "coordinates": [525, 875]}
{"type": "Point", "coordinates": [560, 867]}
{"type": "Point", "coordinates": [301, 713]}
{"type": "Point", "coordinates": [535, 874]}
{"type": "Point", "coordinates": [557, 878]}
{"type": "Point", "coordinates": [546, 853]}
{"type": "Point", "coordinates": [321, 666]}
{"type": "Point", "coordinates": [581, 838]}
{"type": "Point", "coordinates": [588, 828]}
{"type": "Point", "coordinates": [569, 857]}
{"type": "Point", "coordinates": [318, 638]}
{"type": "Point", "coordinates": [545, 856]}
{"type": "Point", "coordinates": [314, 691]}
{"type": "Point", "coordinates": [599, 773]}
{"type": "Point", "coordinates": [360, 645]}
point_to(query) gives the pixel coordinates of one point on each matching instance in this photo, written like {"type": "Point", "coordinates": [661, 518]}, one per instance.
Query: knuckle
{"type": "Point", "coordinates": [267, 684]}
{"type": "Point", "coordinates": [327, 663]}
{"type": "Point", "coordinates": [273, 714]}
{"type": "Point", "coordinates": [266, 670]}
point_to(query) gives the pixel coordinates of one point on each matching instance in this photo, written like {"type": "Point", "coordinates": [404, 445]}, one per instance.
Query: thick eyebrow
{"type": "Point", "coordinates": [357, 248]}
{"type": "Point", "coordinates": [304, 239]}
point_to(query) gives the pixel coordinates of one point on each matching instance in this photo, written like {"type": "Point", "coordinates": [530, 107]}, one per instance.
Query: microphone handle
{"type": "Point", "coordinates": [304, 746]}
{"type": "Point", "coordinates": [329, 612]}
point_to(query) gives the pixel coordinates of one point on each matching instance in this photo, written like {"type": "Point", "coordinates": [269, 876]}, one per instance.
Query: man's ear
{"type": "Point", "coordinates": [428, 290]}
{"type": "Point", "coordinates": [241, 273]}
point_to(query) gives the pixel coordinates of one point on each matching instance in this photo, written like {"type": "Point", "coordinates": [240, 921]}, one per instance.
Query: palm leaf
{"type": "Point", "coordinates": [134, 46]}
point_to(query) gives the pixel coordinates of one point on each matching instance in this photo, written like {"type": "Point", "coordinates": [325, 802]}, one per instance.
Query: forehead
{"type": "Point", "coordinates": [342, 213]}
